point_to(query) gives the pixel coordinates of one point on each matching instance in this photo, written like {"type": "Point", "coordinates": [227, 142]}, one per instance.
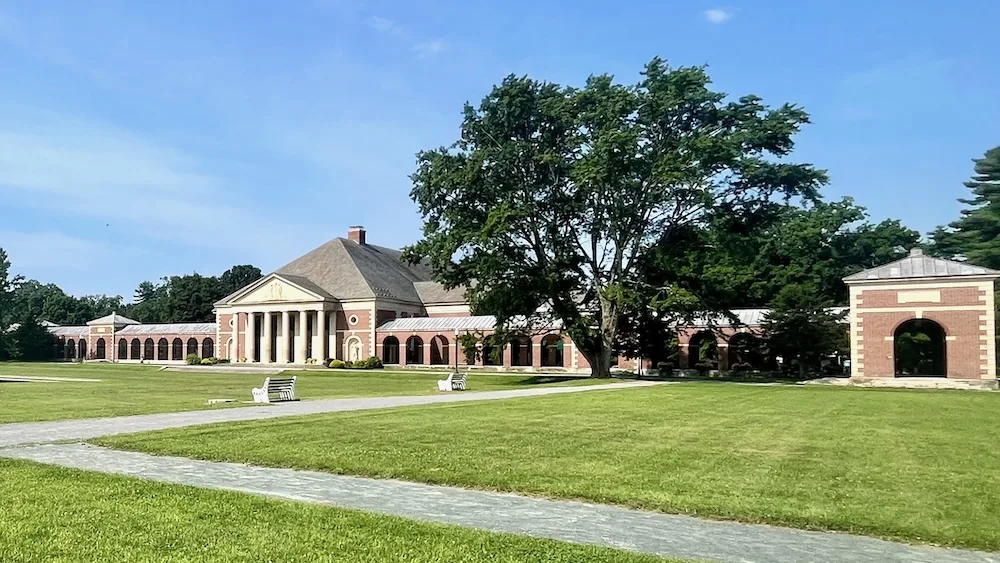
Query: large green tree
{"type": "Point", "coordinates": [802, 328]}
{"type": "Point", "coordinates": [975, 236]}
{"type": "Point", "coordinates": [8, 285]}
{"type": "Point", "coordinates": [546, 205]}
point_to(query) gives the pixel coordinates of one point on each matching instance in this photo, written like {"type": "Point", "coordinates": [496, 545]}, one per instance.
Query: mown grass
{"type": "Point", "coordinates": [53, 514]}
{"type": "Point", "coordinates": [919, 466]}
{"type": "Point", "coordinates": [136, 389]}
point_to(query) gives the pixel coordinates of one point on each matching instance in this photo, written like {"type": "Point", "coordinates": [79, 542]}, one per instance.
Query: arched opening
{"type": "Point", "coordinates": [148, 349]}
{"type": "Point", "coordinates": [920, 349]}
{"type": "Point", "coordinates": [83, 349]}
{"type": "Point", "coordinates": [703, 351]}
{"type": "Point", "coordinates": [746, 352]}
{"type": "Point", "coordinates": [192, 346]}
{"type": "Point", "coordinates": [353, 347]}
{"type": "Point", "coordinates": [439, 351]}
{"type": "Point", "coordinates": [162, 350]}
{"type": "Point", "coordinates": [71, 349]}
{"type": "Point", "coordinates": [178, 349]}
{"type": "Point", "coordinates": [122, 349]}
{"type": "Point", "coordinates": [102, 349]}
{"type": "Point", "coordinates": [136, 349]}
{"type": "Point", "coordinates": [390, 350]}
{"type": "Point", "coordinates": [414, 350]}
{"type": "Point", "coordinates": [208, 348]}
{"type": "Point", "coordinates": [552, 352]}
{"type": "Point", "coordinates": [492, 355]}
{"type": "Point", "coordinates": [520, 351]}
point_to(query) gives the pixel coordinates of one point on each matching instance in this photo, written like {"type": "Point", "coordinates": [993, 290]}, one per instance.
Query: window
{"type": "Point", "coordinates": [208, 348]}
{"type": "Point", "coordinates": [552, 351]}
{"type": "Point", "coordinates": [102, 350]}
{"type": "Point", "coordinates": [439, 351]}
{"type": "Point", "coordinates": [162, 350]}
{"type": "Point", "coordinates": [192, 347]}
{"type": "Point", "coordinates": [520, 352]}
{"type": "Point", "coordinates": [123, 349]}
{"type": "Point", "coordinates": [178, 349]}
{"type": "Point", "coordinates": [148, 349]}
{"type": "Point", "coordinates": [353, 320]}
{"type": "Point", "coordinates": [390, 350]}
{"type": "Point", "coordinates": [414, 350]}
{"type": "Point", "coordinates": [136, 349]}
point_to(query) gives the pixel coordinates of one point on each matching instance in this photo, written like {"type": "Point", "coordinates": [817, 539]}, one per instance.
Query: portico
{"type": "Point", "coordinates": [277, 321]}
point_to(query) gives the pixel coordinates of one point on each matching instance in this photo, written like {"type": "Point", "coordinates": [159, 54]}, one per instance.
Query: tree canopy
{"type": "Point", "coordinates": [975, 235]}
{"type": "Point", "coordinates": [553, 196]}
{"type": "Point", "coordinates": [802, 328]}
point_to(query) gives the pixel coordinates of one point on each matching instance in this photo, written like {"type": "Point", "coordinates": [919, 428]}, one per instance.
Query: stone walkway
{"type": "Point", "coordinates": [87, 428]}
{"type": "Point", "coordinates": [663, 534]}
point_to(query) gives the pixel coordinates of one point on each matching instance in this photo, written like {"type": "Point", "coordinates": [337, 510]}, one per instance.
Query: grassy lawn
{"type": "Point", "coordinates": [53, 514]}
{"type": "Point", "coordinates": [136, 389]}
{"type": "Point", "coordinates": [919, 466]}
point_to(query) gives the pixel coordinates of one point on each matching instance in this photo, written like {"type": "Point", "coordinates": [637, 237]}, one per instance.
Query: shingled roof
{"type": "Point", "coordinates": [343, 269]}
{"type": "Point", "coordinates": [916, 265]}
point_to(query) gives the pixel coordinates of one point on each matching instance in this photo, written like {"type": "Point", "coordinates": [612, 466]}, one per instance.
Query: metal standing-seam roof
{"type": "Point", "coordinates": [916, 265]}
{"type": "Point", "coordinates": [170, 328]}
{"type": "Point", "coordinates": [746, 317]}
{"type": "Point", "coordinates": [482, 322]}
{"type": "Point", "coordinates": [65, 331]}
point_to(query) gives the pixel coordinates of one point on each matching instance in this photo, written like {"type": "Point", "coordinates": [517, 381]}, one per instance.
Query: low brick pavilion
{"type": "Point", "coordinates": [923, 316]}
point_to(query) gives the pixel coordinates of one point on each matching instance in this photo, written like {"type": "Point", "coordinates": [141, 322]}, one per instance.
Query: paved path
{"type": "Point", "coordinates": [663, 534]}
{"type": "Point", "coordinates": [85, 429]}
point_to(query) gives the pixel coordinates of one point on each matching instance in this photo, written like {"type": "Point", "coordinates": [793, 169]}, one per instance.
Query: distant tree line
{"type": "Point", "coordinates": [25, 304]}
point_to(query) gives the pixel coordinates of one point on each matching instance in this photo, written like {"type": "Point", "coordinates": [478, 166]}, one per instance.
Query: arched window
{"type": "Point", "coordinates": [148, 349]}
{"type": "Point", "coordinates": [520, 351]}
{"type": "Point", "coordinates": [439, 351]}
{"type": "Point", "coordinates": [102, 349]}
{"type": "Point", "coordinates": [162, 350]}
{"type": "Point", "coordinates": [414, 350]}
{"type": "Point", "coordinates": [703, 349]}
{"type": "Point", "coordinates": [390, 350]}
{"type": "Point", "coordinates": [492, 355]}
{"type": "Point", "coordinates": [136, 349]}
{"type": "Point", "coordinates": [71, 349]}
{"type": "Point", "coordinates": [208, 348]}
{"type": "Point", "coordinates": [920, 349]}
{"type": "Point", "coordinates": [178, 349]}
{"type": "Point", "coordinates": [82, 344]}
{"type": "Point", "coordinates": [122, 349]}
{"type": "Point", "coordinates": [192, 347]}
{"type": "Point", "coordinates": [552, 352]}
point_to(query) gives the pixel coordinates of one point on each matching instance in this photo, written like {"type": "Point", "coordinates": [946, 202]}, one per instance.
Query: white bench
{"type": "Point", "coordinates": [455, 382]}
{"type": "Point", "coordinates": [283, 389]}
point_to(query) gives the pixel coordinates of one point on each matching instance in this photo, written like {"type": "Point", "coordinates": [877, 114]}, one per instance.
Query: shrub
{"type": "Point", "coordinates": [348, 364]}
{"type": "Point", "coordinates": [310, 361]}
{"type": "Point", "coordinates": [206, 361]}
{"type": "Point", "coordinates": [741, 367]}
{"type": "Point", "coordinates": [371, 363]}
{"type": "Point", "coordinates": [193, 359]}
{"type": "Point", "coordinates": [337, 364]}
{"type": "Point", "coordinates": [665, 368]}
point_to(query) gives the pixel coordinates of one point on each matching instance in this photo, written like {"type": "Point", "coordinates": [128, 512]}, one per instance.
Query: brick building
{"type": "Point", "coordinates": [349, 300]}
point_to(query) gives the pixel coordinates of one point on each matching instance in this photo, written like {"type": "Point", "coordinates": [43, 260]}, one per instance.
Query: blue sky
{"type": "Point", "coordinates": [144, 139]}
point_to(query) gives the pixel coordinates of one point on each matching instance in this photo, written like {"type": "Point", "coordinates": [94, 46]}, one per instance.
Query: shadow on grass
{"type": "Point", "coordinates": [547, 380]}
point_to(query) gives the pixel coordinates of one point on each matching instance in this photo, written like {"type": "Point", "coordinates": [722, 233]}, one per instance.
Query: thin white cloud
{"type": "Point", "coordinates": [104, 175]}
{"type": "Point", "coordinates": [430, 48]}
{"type": "Point", "coordinates": [717, 15]}
{"type": "Point", "coordinates": [384, 26]}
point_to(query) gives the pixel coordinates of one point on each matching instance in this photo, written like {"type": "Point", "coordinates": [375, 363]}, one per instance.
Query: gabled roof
{"type": "Point", "coordinates": [916, 265]}
{"type": "Point", "coordinates": [113, 318]}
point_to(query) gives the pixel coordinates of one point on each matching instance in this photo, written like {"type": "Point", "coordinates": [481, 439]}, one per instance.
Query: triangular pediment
{"type": "Point", "coordinates": [273, 289]}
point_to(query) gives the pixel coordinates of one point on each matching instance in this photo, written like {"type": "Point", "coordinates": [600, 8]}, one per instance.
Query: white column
{"type": "Point", "coordinates": [334, 351]}
{"type": "Point", "coordinates": [286, 324]}
{"type": "Point", "coordinates": [250, 346]}
{"type": "Point", "coordinates": [319, 336]}
{"type": "Point", "coordinates": [235, 334]}
{"type": "Point", "coordinates": [265, 355]}
{"type": "Point", "coordinates": [301, 338]}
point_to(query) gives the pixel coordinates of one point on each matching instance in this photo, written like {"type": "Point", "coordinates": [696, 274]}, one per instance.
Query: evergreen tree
{"type": "Point", "coordinates": [975, 236]}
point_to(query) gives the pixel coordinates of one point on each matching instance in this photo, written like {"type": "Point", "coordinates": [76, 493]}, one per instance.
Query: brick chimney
{"type": "Point", "coordinates": [356, 233]}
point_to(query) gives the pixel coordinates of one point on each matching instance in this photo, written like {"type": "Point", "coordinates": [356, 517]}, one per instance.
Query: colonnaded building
{"type": "Point", "coordinates": [350, 300]}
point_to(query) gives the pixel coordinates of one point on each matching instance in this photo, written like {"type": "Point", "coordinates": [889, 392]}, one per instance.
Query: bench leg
{"type": "Point", "coordinates": [260, 395]}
